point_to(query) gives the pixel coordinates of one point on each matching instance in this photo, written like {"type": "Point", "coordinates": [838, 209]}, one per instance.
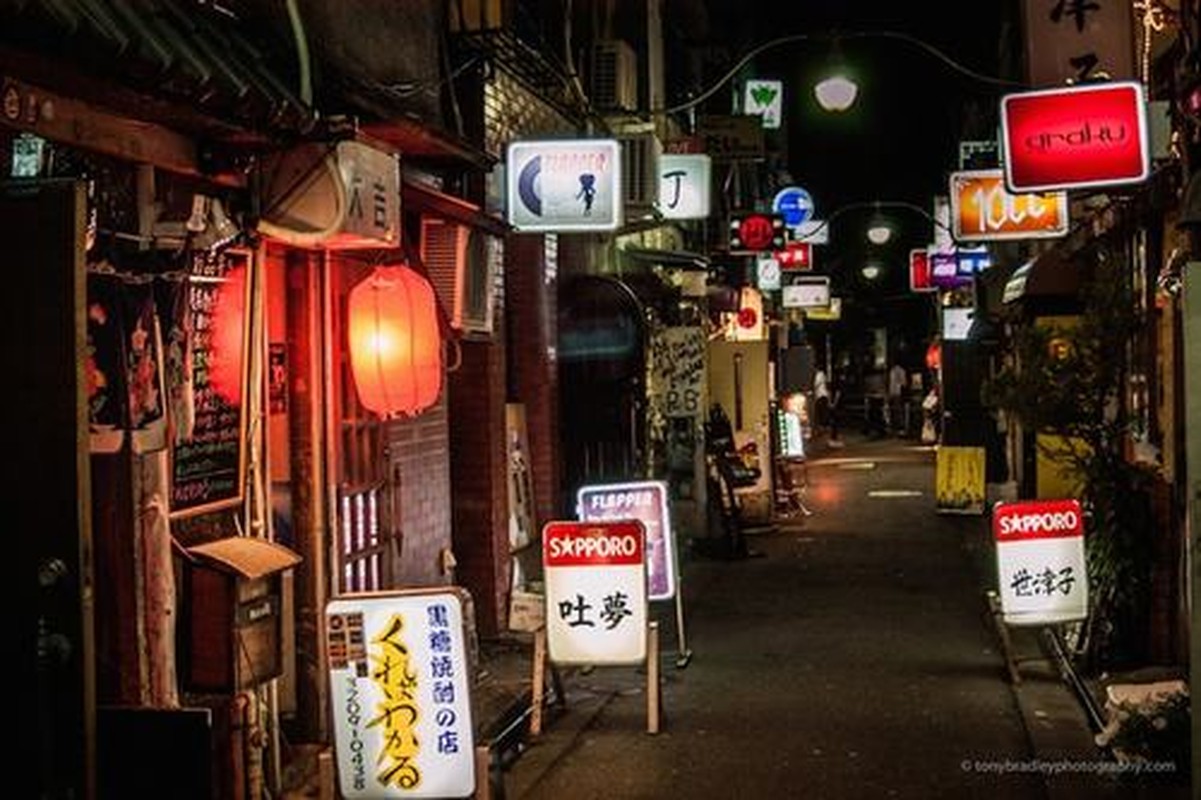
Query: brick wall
{"type": "Point", "coordinates": [419, 459]}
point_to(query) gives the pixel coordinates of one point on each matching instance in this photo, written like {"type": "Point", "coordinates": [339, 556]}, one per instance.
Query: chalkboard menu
{"type": "Point", "coordinates": [208, 447]}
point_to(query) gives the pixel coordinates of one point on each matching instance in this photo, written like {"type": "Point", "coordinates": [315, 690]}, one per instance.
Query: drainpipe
{"type": "Point", "coordinates": [303, 63]}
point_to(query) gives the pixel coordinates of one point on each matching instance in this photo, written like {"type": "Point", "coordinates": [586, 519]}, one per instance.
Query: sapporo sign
{"type": "Point", "coordinates": [982, 209]}
{"type": "Point", "coordinates": [1040, 561]}
{"type": "Point", "coordinates": [400, 688]}
{"type": "Point", "coordinates": [596, 605]}
{"type": "Point", "coordinates": [1075, 137]}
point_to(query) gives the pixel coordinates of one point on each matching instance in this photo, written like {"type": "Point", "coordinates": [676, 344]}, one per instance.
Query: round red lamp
{"type": "Point", "coordinates": [395, 341]}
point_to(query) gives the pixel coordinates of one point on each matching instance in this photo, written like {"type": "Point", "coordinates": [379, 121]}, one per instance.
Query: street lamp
{"type": "Point", "coordinates": [879, 231]}
{"type": "Point", "coordinates": [836, 93]}
{"type": "Point", "coordinates": [871, 270]}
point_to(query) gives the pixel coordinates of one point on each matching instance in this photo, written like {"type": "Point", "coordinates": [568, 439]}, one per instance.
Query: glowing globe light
{"type": "Point", "coordinates": [836, 93]}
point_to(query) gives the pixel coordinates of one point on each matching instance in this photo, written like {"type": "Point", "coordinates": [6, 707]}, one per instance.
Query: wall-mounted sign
{"type": "Point", "coordinates": [684, 182]}
{"type": "Point", "coordinates": [942, 223]}
{"type": "Point", "coordinates": [983, 210]}
{"type": "Point", "coordinates": [596, 605]}
{"type": "Point", "coordinates": [957, 267]}
{"type": "Point", "coordinates": [813, 231]}
{"type": "Point", "coordinates": [1041, 569]}
{"type": "Point", "coordinates": [752, 232]}
{"type": "Point", "coordinates": [794, 205]}
{"type": "Point", "coordinates": [1072, 42]}
{"type": "Point", "coordinates": [732, 138]}
{"type": "Point", "coordinates": [767, 273]}
{"type": "Point", "coordinates": [679, 369]}
{"type": "Point", "coordinates": [400, 689]}
{"type": "Point", "coordinates": [808, 291]}
{"type": "Point", "coordinates": [979, 154]}
{"type": "Point", "coordinates": [919, 271]}
{"type": "Point", "coordinates": [765, 98]}
{"type": "Point", "coordinates": [1075, 137]}
{"type": "Point", "coordinates": [831, 313]}
{"type": "Point", "coordinates": [645, 501]}
{"type": "Point", "coordinates": [956, 323]}
{"type": "Point", "coordinates": [569, 185]}
{"type": "Point", "coordinates": [796, 256]}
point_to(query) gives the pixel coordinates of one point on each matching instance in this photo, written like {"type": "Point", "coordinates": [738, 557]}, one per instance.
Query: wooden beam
{"type": "Point", "coordinates": [73, 122]}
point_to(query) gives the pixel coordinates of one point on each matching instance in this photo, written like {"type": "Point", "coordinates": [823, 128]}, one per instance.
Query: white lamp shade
{"type": "Point", "coordinates": [871, 271]}
{"type": "Point", "coordinates": [836, 93]}
{"type": "Point", "coordinates": [879, 233]}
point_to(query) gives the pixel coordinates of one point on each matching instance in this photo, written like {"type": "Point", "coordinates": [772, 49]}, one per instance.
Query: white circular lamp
{"type": "Point", "coordinates": [879, 232]}
{"type": "Point", "coordinates": [836, 93]}
{"type": "Point", "coordinates": [871, 271]}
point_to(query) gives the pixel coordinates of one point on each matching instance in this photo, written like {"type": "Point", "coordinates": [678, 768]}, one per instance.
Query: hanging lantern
{"type": "Point", "coordinates": [395, 342]}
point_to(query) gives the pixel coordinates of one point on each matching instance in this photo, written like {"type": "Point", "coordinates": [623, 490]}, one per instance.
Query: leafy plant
{"type": "Point", "coordinates": [1066, 378]}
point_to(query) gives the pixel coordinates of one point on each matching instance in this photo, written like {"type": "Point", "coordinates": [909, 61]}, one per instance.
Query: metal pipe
{"type": "Point", "coordinates": [1063, 663]}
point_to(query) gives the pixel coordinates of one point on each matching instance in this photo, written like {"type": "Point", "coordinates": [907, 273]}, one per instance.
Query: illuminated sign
{"type": "Point", "coordinates": [831, 313]}
{"type": "Point", "coordinates": [766, 99]}
{"type": "Point", "coordinates": [596, 609]}
{"type": "Point", "coordinates": [794, 204]}
{"type": "Point", "coordinates": [1041, 569]}
{"type": "Point", "coordinates": [768, 274]}
{"type": "Point", "coordinates": [796, 256]}
{"type": "Point", "coordinates": [568, 185]}
{"type": "Point", "coordinates": [983, 210]}
{"type": "Point", "coordinates": [645, 501]}
{"type": "Point", "coordinates": [400, 686]}
{"type": "Point", "coordinates": [752, 232]}
{"type": "Point", "coordinates": [1075, 137]}
{"type": "Point", "coordinates": [807, 292]}
{"type": "Point", "coordinates": [684, 182]}
{"type": "Point", "coordinates": [919, 271]}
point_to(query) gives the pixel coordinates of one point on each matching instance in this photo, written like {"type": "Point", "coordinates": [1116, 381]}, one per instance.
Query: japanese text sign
{"type": "Point", "coordinates": [568, 185]}
{"type": "Point", "coordinates": [1040, 561]}
{"type": "Point", "coordinates": [1075, 137]}
{"type": "Point", "coordinates": [678, 355]}
{"type": "Point", "coordinates": [645, 501]}
{"type": "Point", "coordinates": [596, 605]}
{"type": "Point", "coordinates": [399, 686]}
{"type": "Point", "coordinates": [795, 256]}
{"type": "Point", "coordinates": [919, 271]}
{"type": "Point", "coordinates": [1078, 40]}
{"type": "Point", "coordinates": [752, 232]}
{"type": "Point", "coordinates": [684, 186]}
{"type": "Point", "coordinates": [983, 210]}
{"type": "Point", "coordinates": [807, 292]}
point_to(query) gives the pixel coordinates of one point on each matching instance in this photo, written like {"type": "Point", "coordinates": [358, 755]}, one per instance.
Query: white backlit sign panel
{"type": "Point", "coordinates": [684, 181]}
{"type": "Point", "coordinates": [569, 185]}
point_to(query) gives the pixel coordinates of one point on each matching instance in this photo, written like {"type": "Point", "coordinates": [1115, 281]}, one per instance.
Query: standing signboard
{"type": "Point", "coordinates": [645, 501]}
{"type": "Point", "coordinates": [564, 185]}
{"type": "Point", "coordinates": [1041, 567]}
{"type": "Point", "coordinates": [596, 603]}
{"type": "Point", "coordinates": [400, 689]}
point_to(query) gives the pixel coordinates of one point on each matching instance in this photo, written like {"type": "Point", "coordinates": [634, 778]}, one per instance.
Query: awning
{"type": "Point", "coordinates": [418, 197]}
{"type": "Point", "coordinates": [1050, 274]}
{"type": "Point", "coordinates": [681, 259]}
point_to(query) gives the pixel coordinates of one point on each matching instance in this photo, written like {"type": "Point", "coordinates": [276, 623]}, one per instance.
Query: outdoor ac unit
{"type": "Point", "coordinates": [614, 76]}
{"type": "Point", "coordinates": [639, 172]}
{"type": "Point", "coordinates": [462, 265]}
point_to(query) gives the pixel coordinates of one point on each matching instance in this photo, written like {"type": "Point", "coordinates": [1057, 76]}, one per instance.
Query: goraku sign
{"type": "Point", "coordinates": [1075, 137]}
{"type": "Point", "coordinates": [1040, 561]}
{"type": "Point", "coordinates": [570, 185]}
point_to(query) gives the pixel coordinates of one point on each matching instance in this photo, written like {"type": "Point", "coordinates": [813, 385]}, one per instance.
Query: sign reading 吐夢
{"type": "Point", "coordinates": [645, 501]}
{"type": "Point", "coordinates": [596, 609]}
{"type": "Point", "coordinates": [1041, 567]}
{"type": "Point", "coordinates": [568, 185]}
{"type": "Point", "coordinates": [400, 690]}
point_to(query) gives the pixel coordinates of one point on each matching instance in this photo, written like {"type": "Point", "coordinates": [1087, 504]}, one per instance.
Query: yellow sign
{"type": "Point", "coordinates": [959, 480]}
{"type": "Point", "coordinates": [982, 209]}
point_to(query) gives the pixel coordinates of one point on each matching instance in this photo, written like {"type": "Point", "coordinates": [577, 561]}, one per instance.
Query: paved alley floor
{"type": "Point", "coordinates": [852, 658]}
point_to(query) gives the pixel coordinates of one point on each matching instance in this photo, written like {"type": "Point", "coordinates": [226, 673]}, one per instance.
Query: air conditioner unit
{"type": "Point", "coordinates": [614, 76]}
{"type": "Point", "coordinates": [462, 264]}
{"type": "Point", "coordinates": [639, 172]}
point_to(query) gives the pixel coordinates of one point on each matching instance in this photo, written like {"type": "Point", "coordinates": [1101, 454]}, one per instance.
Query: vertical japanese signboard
{"type": "Point", "coordinates": [645, 501]}
{"type": "Point", "coordinates": [399, 685]}
{"type": "Point", "coordinates": [1040, 561]}
{"type": "Point", "coordinates": [596, 603]}
{"type": "Point", "coordinates": [1078, 40]}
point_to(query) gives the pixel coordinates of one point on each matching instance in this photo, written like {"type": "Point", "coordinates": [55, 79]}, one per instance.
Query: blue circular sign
{"type": "Point", "coordinates": [793, 204]}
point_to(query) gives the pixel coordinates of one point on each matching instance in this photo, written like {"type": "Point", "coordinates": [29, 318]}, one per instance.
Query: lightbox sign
{"type": "Point", "coordinates": [400, 682]}
{"type": "Point", "coordinates": [983, 210]}
{"type": "Point", "coordinates": [794, 205]}
{"type": "Point", "coordinates": [1042, 577]}
{"type": "Point", "coordinates": [958, 267]}
{"type": "Point", "coordinates": [1075, 137]}
{"type": "Point", "coordinates": [684, 182]}
{"type": "Point", "coordinates": [795, 256]}
{"type": "Point", "coordinates": [645, 501]}
{"type": "Point", "coordinates": [596, 609]}
{"type": "Point", "coordinates": [752, 232]}
{"type": "Point", "coordinates": [766, 99]}
{"type": "Point", "coordinates": [807, 292]}
{"type": "Point", "coordinates": [831, 313]}
{"type": "Point", "coordinates": [567, 185]}
{"type": "Point", "coordinates": [919, 271]}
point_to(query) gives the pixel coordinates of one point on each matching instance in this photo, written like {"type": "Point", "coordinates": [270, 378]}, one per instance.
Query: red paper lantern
{"type": "Point", "coordinates": [395, 341]}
